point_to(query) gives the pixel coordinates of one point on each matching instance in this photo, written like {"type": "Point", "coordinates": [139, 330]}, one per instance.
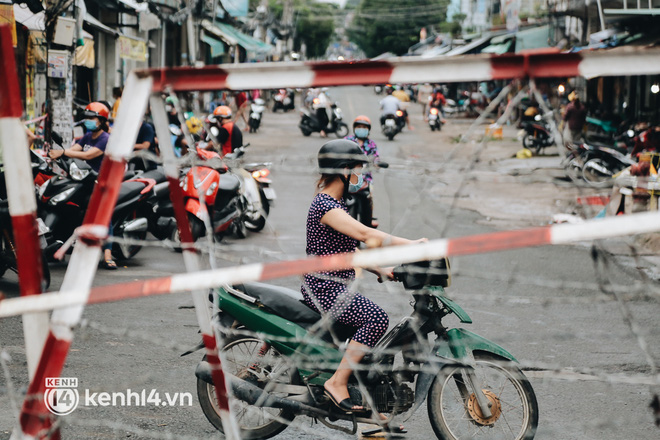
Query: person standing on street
{"type": "Point", "coordinates": [423, 95]}
{"type": "Point", "coordinates": [574, 118]}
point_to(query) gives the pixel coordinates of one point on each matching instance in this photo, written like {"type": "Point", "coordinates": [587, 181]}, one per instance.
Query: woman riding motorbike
{"type": "Point", "coordinates": [330, 230]}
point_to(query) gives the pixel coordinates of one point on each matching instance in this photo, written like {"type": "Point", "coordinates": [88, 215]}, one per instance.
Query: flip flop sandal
{"type": "Point", "coordinates": [345, 405]}
{"type": "Point", "coordinates": [109, 264]}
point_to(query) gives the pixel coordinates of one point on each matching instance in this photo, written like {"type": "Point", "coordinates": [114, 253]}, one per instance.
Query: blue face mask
{"type": "Point", "coordinates": [362, 133]}
{"type": "Point", "coordinates": [355, 187]}
{"type": "Point", "coordinates": [90, 125]}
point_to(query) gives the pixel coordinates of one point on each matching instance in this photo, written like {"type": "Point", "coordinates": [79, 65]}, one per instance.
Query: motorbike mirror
{"type": "Point", "coordinates": [215, 131]}
{"type": "Point", "coordinates": [630, 133]}
{"type": "Point", "coordinates": [382, 164]}
{"type": "Point", "coordinates": [537, 118]}
{"type": "Point", "coordinates": [55, 136]}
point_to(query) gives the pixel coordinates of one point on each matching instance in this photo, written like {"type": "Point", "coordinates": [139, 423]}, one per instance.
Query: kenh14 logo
{"type": "Point", "coordinates": [61, 395]}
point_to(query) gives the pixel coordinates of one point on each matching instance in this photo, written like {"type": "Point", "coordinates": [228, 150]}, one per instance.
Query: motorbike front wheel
{"type": "Point", "coordinates": [253, 360]}
{"type": "Point", "coordinates": [342, 130]}
{"type": "Point", "coordinates": [455, 414]}
{"type": "Point", "coordinates": [259, 222]}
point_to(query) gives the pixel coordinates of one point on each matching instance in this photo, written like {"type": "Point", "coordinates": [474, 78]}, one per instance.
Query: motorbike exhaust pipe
{"type": "Point", "coordinates": [252, 394]}
{"type": "Point", "coordinates": [137, 225]}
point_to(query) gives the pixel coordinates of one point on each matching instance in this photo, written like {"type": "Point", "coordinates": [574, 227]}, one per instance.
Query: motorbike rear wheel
{"type": "Point", "coordinates": [455, 415]}
{"type": "Point", "coordinates": [530, 142]}
{"type": "Point", "coordinates": [259, 223]}
{"type": "Point", "coordinates": [245, 358]}
{"type": "Point", "coordinates": [597, 173]}
{"type": "Point", "coordinates": [342, 130]}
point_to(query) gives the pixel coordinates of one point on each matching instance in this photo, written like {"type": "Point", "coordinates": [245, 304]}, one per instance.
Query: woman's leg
{"type": "Point", "coordinates": [337, 385]}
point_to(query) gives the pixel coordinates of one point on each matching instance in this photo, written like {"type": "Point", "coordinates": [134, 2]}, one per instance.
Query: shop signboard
{"type": "Point", "coordinates": [58, 63]}
{"type": "Point", "coordinates": [132, 49]}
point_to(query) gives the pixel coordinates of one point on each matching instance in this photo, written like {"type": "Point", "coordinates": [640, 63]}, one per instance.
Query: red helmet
{"type": "Point", "coordinates": [362, 120]}
{"type": "Point", "coordinates": [97, 110]}
{"type": "Point", "coordinates": [223, 112]}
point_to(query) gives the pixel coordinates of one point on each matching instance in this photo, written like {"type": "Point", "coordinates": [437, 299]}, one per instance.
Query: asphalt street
{"type": "Point", "coordinates": [541, 304]}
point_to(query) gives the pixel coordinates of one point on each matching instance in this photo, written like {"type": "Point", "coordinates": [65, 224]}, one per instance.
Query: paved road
{"type": "Point", "coordinates": [511, 296]}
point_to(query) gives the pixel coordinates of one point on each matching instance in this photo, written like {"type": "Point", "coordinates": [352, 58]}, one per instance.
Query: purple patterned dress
{"type": "Point", "coordinates": [328, 292]}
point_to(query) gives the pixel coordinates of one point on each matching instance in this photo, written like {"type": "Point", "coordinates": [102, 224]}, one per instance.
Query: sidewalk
{"type": "Point", "coordinates": [513, 193]}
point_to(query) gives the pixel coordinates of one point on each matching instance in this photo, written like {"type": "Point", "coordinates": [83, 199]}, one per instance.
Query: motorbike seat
{"type": "Point", "coordinates": [289, 304]}
{"type": "Point", "coordinates": [158, 175]}
{"type": "Point", "coordinates": [129, 190]}
{"type": "Point", "coordinates": [229, 183]}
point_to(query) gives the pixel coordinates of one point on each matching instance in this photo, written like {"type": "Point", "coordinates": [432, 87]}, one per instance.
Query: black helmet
{"type": "Point", "coordinates": [339, 154]}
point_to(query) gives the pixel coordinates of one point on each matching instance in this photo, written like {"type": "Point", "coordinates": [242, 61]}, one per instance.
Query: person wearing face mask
{"type": "Point", "coordinates": [331, 230]}
{"type": "Point", "coordinates": [226, 131]}
{"type": "Point", "coordinates": [91, 147]}
{"type": "Point", "coordinates": [361, 129]}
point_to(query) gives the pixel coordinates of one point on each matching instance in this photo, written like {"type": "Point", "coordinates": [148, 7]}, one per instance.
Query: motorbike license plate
{"type": "Point", "coordinates": [255, 115]}
{"type": "Point", "coordinates": [269, 193]}
{"type": "Point", "coordinates": [390, 122]}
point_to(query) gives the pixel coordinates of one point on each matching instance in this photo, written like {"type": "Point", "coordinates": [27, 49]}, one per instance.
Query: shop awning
{"type": "Point", "coordinates": [233, 37]}
{"type": "Point", "coordinates": [32, 21]}
{"type": "Point", "coordinates": [89, 19]}
{"type": "Point", "coordinates": [499, 45]}
{"type": "Point", "coordinates": [534, 38]}
{"type": "Point", "coordinates": [217, 46]}
{"type": "Point", "coordinates": [473, 46]}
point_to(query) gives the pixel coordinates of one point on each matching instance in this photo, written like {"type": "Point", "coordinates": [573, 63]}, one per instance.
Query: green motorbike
{"type": "Point", "coordinates": [278, 353]}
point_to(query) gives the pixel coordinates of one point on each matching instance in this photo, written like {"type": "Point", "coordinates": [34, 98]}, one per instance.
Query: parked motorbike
{"type": "Point", "coordinates": [538, 135]}
{"type": "Point", "coordinates": [213, 194]}
{"type": "Point", "coordinates": [435, 119]}
{"type": "Point", "coordinates": [256, 111]}
{"type": "Point", "coordinates": [280, 354]}
{"type": "Point", "coordinates": [258, 193]}
{"type": "Point", "coordinates": [284, 100]}
{"type": "Point", "coordinates": [310, 124]}
{"type": "Point", "coordinates": [601, 163]}
{"type": "Point", "coordinates": [8, 244]}
{"type": "Point", "coordinates": [391, 125]}
{"type": "Point", "coordinates": [63, 202]}
{"type": "Point", "coordinates": [159, 211]}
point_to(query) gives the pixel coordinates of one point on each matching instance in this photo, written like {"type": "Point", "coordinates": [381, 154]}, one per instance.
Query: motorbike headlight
{"type": "Point", "coordinates": [76, 173]}
{"type": "Point", "coordinates": [62, 196]}
{"type": "Point", "coordinates": [630, 133]}
{"type": "Point", "coordinates": [211, 190]}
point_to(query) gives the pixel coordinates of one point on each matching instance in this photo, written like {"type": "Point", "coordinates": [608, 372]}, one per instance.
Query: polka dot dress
{"type": "Point", "coordinates": [328, 292]}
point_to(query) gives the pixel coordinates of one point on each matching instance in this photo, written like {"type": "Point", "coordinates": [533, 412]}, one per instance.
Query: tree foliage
{"type": "Point", "coordinates": [314, 23]}
{"type": "Point", "coordinates": [381, 26]}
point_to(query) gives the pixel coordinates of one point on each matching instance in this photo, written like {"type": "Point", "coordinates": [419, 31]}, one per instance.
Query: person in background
{"type": "Point", "coordinates": [402, 96]}
{"type": "Point", "coordinates": [242, 103]}
{"type": "Point", "coordinates": [574, 118]}
{"type": "Point", "coordinates": [116, 95]}
{"type": "Point", "coordinates": [146, 140]}
{"type": "Point", "coordinates": [321, 104]}
{"type": "Point", "coordinates": [423, 95]}
{"type": "Point", "coordinates": [229, 135]}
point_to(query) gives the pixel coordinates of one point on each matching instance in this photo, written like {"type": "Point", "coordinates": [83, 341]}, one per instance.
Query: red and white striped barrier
{"type": "Point", "coordinates": [475, 244]}
{"type": "Point", "coordinates": [21, 197]}
{"type": "Point", "coordinates": [192, 263]}
{"type": "Point", "coordinates": [614, 62]}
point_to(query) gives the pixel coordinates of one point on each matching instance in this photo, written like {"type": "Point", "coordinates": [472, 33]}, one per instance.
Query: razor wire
{"type": "Point", "coordinates": [607, 292]}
